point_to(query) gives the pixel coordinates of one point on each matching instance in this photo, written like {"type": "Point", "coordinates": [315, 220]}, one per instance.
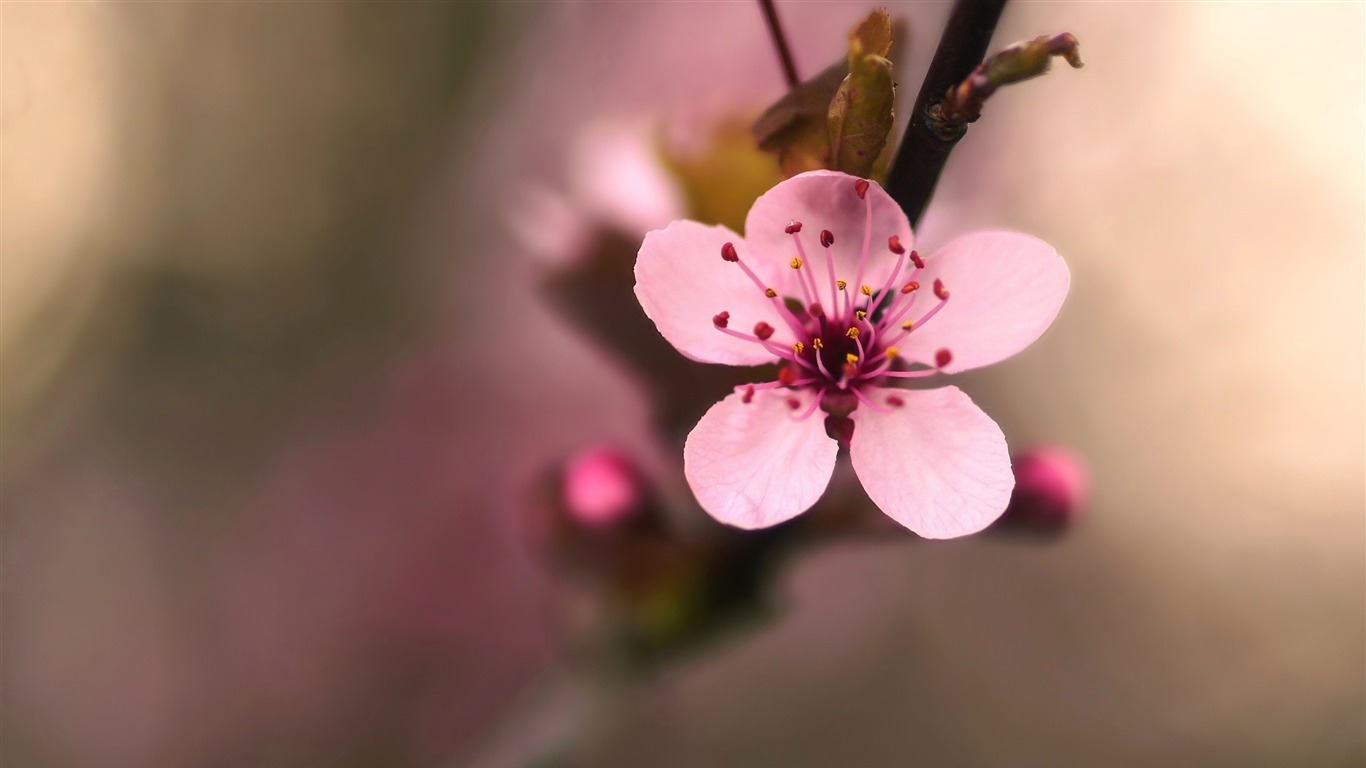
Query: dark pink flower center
{"type": "Point", "coordinates": [846, 332]}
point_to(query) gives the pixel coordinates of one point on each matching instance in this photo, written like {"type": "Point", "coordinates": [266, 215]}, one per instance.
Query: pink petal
{"type": "Point", "coordinates": [828, 200]}
{"type": "Point", "coordinates": [1004, 288]}
{"type": "Point", "coordinates": [755, 465]}
{"type": "Point", "coordinates": [682, 283]}
{"type": "Point", "coordinates": [937, 464]}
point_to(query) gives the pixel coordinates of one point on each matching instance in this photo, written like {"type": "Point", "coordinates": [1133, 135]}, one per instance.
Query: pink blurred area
{"type": "Point", "coordinates": [278, 383]}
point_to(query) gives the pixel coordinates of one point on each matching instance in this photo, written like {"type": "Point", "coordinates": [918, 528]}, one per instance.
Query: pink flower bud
{"type": "Point", "coordinates": [601, 487]}
{"type": "Point", "coordinates": [1052, 487]}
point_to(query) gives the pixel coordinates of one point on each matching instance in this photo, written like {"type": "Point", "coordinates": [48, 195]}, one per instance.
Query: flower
{"type": "Point", "coordinates": [826, 284]}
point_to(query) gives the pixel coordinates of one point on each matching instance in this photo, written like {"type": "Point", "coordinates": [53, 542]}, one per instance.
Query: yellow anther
{"type": "Point", "coordinates": [866, 291]}
{"type": "Point", "coordinates": [852, 333]}
{"type": "Point", "coordinates": [796, 263]}
{"type": "Point", "coordinates": [841, 284]}
{"type": "Point", "coordinates": [860, 314]}
{"type": "Point", "coordinates": [769, 292]}
{"type": "Point", "coordinates": [891, 353]}
{"type": "Point", "coordinates": [817, 343]}
{"type": "Point", "coordinates": [799, 348]}
{"type": "Point", "coordinates": [851, 358]}
{"type": "Point", "coordinates": [906, 326]}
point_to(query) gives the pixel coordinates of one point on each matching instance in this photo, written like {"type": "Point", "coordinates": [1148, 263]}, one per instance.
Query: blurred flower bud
{"type": "Point", "coordinates": [1052, 487]}
{"type": "Point", "coordinates": [601, 487]}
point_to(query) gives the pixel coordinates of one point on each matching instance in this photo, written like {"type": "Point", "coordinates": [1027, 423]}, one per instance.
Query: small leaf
{"type": "Point", "coordinates": [795, 127]}
{"type": "Point", "coordinates": [861, 112]}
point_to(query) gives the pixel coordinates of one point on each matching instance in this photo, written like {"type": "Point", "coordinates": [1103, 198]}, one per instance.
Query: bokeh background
{"type": "Point", "coordinates": [278, 377]}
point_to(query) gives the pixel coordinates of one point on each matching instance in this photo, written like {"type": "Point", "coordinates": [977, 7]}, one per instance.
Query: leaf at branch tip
{"type": "Point", "coordinates": [1022, 61]}
{"type": "Point", "coordinates": [860, 115]}
{"type": "Point", "coordinates": [795, 127]}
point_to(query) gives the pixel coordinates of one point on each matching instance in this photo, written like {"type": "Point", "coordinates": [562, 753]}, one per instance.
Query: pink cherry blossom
{"type": "Point", "coordinates": [826, 284]}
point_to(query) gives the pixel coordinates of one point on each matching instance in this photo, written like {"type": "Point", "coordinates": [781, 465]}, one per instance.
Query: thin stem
{"type": "Point", "coordinates": [780, 42]}
{"type": "Point", "coordinates": [922, 154]}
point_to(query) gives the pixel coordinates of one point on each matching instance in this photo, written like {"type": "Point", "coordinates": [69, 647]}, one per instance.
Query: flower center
{"type": "Point", "coordinates": [846, 333]}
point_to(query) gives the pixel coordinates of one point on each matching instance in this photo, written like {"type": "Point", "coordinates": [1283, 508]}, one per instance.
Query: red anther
{"type": "Point", "coordinates": [861, 187]}
{"type": "Point", "coordinates": [940, 291]}
{"type": "Point", "coordinates": [893, 401]}
{"type": "Point", "coordinates": [851, 369]}
{"type": "Point", "coordinates": [911, 286]}
{"type": "Point", "coordinates": [787, 376]}
{"type": "Point", "coordinates": [816, 310]}
{"type": "Point", "coordinates": [748, 396]}
{"type": "Point", "coordinates": [793, 228]}
{"type": "Point", "coordinates": [942, 357]}
{"type": "Point", "coordinates": [794, 403]}
{"type": "Point", "coordinates": [728, 252]}
{"type": "Point", "coordinates": [917, 261]}
{"type": "Point", "coordinates": [894, 243]}
{"type": "Point", "coordinates": [721, 319]}
{"type": "Point", "coordinates": [763, 330]}
{"type": "Point", "coordinates": [827, 238]}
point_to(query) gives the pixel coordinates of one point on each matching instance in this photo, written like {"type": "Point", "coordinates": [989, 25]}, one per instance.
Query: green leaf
{"type": "Point", "coordinates": [861, 112]}
{"type": "Point", "coordinates": [795, 127]}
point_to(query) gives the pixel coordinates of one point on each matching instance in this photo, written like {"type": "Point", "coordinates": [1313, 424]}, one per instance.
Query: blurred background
{"type": "Point", "coordinates": [279, 380]}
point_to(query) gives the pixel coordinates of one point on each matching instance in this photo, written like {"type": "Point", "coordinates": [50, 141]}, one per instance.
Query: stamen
{"type": "Point", "coordinates": [864, 399]}
{"type": "Point", "coordinates": [748, 397]}
{"type": "Point", "coordinates": [901, 304]}
{"type": "Point", "coordinates": [940, 291]}
{"type": "Point", "coordinates": [852, 332]}
{"type": "Point", "coordinates": [792, 382]}
{"type": "Point", "coordinates": [911, 286]}
{"type": "Point", "coordinates": [895, 401]}
{"type": "Point", "coordinates": [891, 277]}
{"type": "Point", "coordinates": [721, 319]}
{"type": "Point", "coordinates": [891, 353]}
{"type": "Point", "coordinates": [827, 238]}
{"type": "Point", "coordinates": [895, 246]}
{"type": "Point", "coordinates": [763, 330]}
{"type": "Point", "coordinates": [842, 285]}
{"type": "Point", "coordinates": [942, 357]}
{"type": "Point", "coordinates": [817, 343]}
{"type": "Point", "coordinates": [820, 365]}
{"type": "Point", "coordinates": [786, 314]}
{"type": "Point", "coordinates": [851, 358]}
{"type": "Point", "coordinates": [781, 353]}
{"type": "Point", "coordinates": [793, 228]}
{"type": "Point", "coordinates": [908, 326]}
{"type": "Point", "coordinates": [875, 371]}
{"type": "Point", "coordinates": [729, 253]}
{"type": "Point", "coordinates": [863, 253]}
{"type": "Point", "coordinates": [860, 314]}
{"type": "Point", "coordinates": [809, 291]}
{"type": "Point", "coordinates": [861, 188]}
{"type": "Point", "coordinates": [815, 403]}
{"type": "Point", "coordinates": [787, 376]}
{"type": "Point", "coordinates": [830, 273]}
{"type": "Point", "coordinates": [917, 261]}
{"type": "Point", "coordinates": [866, 290]}
{"type": "Point", "coordinates": [799, 348]}
{"type": "Point", "coordinates": [794, 403]}
{"type": "Point", "coordinates": [920, 374]}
